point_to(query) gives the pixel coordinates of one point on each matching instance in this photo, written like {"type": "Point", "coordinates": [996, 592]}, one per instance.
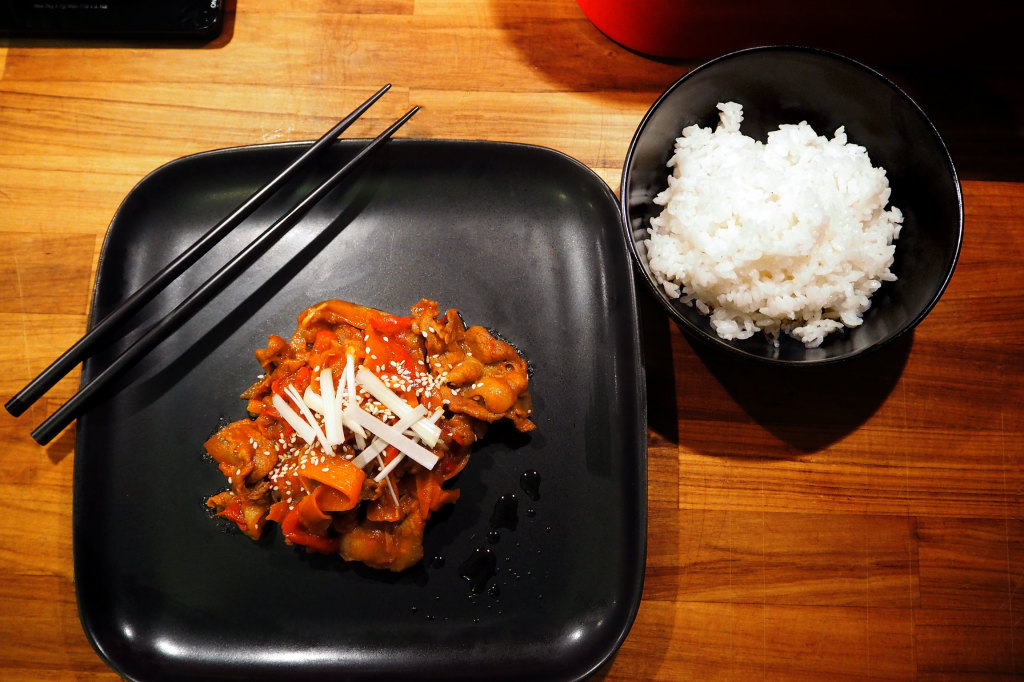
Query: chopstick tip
{"type": "Point", "coordinates": [15, 406]}
{"type": "Point", "coordinates": [43, 434]}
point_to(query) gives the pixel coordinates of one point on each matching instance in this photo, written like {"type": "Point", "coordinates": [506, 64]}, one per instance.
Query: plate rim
{"type": "Point", "coordinates": [639, 407]}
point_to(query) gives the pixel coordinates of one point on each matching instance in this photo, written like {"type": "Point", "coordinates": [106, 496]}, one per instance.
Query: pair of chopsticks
{"type": "Point", "coordinates": [70, 410]}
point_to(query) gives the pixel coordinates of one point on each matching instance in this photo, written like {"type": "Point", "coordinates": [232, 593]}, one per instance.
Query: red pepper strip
{"type": "Point", "coordinates": [300, 379]}
{"type": "Point", "coordinates": [325, 340]}
{"type": "Point", "coordinates": [400, 354]}
{"type": "Point", "coordinates": [378, 353]}
{"type": "Point", "coordinates": [390, 452]}
{"type": "Point", "coordinates": [392, 327]}
{"type": "Point", "coordinates": [389, 324]}
{"type": "Point", "coordinates": [334, 359]}
{"type": "Point", "coordinates": [234, 513]}
{"type": "Point", "coordinates": [295, 532]}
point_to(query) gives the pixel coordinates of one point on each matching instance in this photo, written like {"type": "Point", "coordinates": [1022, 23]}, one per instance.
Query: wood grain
{"type": "Point", "coordinates": [865, 524]}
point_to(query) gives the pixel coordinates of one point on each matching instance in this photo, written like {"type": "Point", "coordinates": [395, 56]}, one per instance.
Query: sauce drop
{"type": "Point", "coordinates": [530, 483]}
{"type": "Point", "coordinates": [506, 512]}
{"type": "Point", "coordinates": [478, 569]}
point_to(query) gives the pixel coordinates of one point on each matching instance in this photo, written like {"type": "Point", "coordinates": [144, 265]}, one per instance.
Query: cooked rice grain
{"type": "Point", "coordinates": [791, 235]}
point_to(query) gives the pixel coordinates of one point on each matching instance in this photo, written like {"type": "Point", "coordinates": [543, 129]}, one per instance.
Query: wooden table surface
{"type": "Point", "coordinates": [868, 526]}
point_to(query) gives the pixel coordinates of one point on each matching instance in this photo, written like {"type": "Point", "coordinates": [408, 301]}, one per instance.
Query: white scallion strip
{"type": "Point", "coordinates": [394, 495]}
{"type": "Point", "coordinates": [428, 432]}
{"type": "Point", "coordinates": [401, 455]}
{"type": "Point", "coordinates": [370, 452]}
{"type": "Point", "coordinates": [350, 378]}
{"type": "Point", "coordinates": [301, 426]}
{"type": "Point", "coordinates": [317, 431]}
{"type": "Point", "coordinates": [390, 467]}
{"type": "Point", "coordinates": [331, 413]}
{"type": "Point", "coordinates": [412, 434]}
{"type": "Point", "coordinates": [394, 437]}
{"type": "Point", "coordinates": [342, 391]}
{"type": "Point", "coordinates": [313, 401]}
{"type": "Point", "coordinates": [378, 445]}
{"type": "Point", "coordinates": [346, 391]}
{"type": "Point", "coordinates": [414, 415]}
{"type": "Point", "coordinates": [338, 409]}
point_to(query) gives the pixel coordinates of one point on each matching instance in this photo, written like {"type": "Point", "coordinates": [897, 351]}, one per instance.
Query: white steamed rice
{"type": "Point", "coordinates": [791, 235]}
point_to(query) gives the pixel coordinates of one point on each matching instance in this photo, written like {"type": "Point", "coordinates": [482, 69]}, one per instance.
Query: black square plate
{"type": "Point", "coordinates": [520, 239]}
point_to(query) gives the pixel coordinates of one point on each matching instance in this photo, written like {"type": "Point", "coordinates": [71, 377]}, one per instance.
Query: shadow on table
{"type": "Point", "coordinates": [965, 71]}
{"type": "Point", "coordinates": [662, 401]}
{"type": "Point", "coordinates": [978, 113]}
{"type": "Point", "coordinates": [808, 407]}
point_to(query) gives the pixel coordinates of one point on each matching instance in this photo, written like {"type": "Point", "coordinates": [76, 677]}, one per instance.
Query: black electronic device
{"type": "Point", "coordinates": [164, 19]}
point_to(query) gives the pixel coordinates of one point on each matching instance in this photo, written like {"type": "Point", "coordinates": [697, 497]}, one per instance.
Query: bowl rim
{"type": "Point", "coordinates": [714, 339]}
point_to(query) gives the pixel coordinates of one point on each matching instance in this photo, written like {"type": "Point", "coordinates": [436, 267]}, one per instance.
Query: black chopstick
{"type": "Point", "coordinates": [84, 346]}
{"type": "Point", "coordinates": [56, 422]}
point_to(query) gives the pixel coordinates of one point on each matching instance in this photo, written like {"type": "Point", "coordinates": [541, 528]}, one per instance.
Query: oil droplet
{"type": "Point", "coordinates": [506, 512]}
{"type": "Point", "coordinates": [530, 483]}
{"type": "Point", "coordinates": [493, 591]}
{"type": "Point", "coordinates": [478, 569]}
